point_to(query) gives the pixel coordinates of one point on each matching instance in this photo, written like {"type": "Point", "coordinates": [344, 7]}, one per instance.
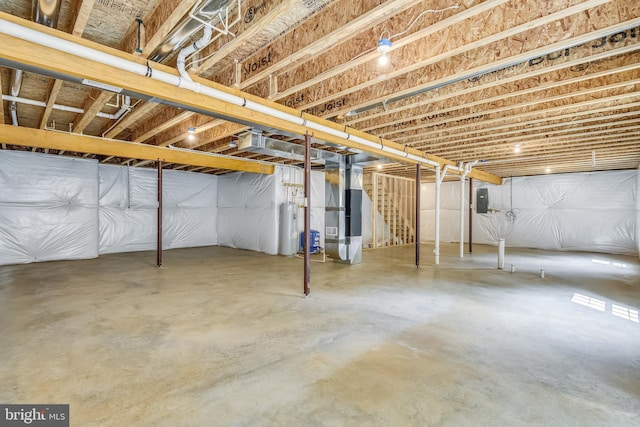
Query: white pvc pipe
{"type": "Point", "coordinates": [194, 47]}
{"type": "Point", "coordinates": [185, 82]}
{"type": "Point", "coordinates": [14, 115]}
{"type": "Point", "coordinates": [500, 254]}
{"type": "Point", "coordinates": [436, 250]}
{"type": "Point", "coordinates": [57, 106]}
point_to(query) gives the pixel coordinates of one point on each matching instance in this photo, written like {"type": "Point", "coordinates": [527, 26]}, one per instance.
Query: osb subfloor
{"type": "Point", "coordinates": [223, 337]}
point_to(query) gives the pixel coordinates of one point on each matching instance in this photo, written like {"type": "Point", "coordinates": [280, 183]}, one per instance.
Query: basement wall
{"type": "Point", "coordinates": [48, 208]}
{"type": "Point", "coordinates": [596, 211]}
{"type": "Point", "coordinates": [56, 208]}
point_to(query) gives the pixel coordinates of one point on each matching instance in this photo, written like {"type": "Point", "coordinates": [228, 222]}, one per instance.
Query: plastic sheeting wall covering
{"type": "Point", "coordinates": [295, 194]}
{"type": "Point", "coordinates": [248, 211]}
{"type": "Point", "coordinates": [596, 212]}
{"type": "Point", "coordinates": [367, 223]}
{"type": "Point", "coordinates": [48, 207]}
{"type": "Point", "coordinates": [128, 209]}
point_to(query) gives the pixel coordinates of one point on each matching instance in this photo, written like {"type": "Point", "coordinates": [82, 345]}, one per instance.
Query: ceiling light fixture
{"type": "Point", "coordinates": [379, 167]}
{"type": "Point", "coordinates": [548, 169]}
{"type": "Point", "coordinates": [233, 144]}
{"type": "Point", "coordinates": [384, 46]}
{"type": "Point", "coordinates": [191, 133]}
{"type": "Point", "coordinates": [516, 148]}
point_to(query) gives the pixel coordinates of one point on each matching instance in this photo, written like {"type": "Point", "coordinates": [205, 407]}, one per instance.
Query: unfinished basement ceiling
{"type": "Point", "coordinates": [525, 87]}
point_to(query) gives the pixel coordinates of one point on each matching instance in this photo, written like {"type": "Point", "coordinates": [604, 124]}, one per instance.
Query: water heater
{"type": "Point", "coordinates": [288, 238]}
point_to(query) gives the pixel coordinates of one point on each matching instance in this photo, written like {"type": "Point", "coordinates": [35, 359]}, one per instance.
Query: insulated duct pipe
{"type": "Point", "coordinates": [45, 12]}
{"type": "Point", "coordinates": [57, 43]}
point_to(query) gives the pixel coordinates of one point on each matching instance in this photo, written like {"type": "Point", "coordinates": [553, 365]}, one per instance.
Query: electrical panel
{"type": "Point", "coordinates": [482, 200]}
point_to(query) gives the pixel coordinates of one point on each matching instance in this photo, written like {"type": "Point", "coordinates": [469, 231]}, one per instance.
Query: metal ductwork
{"type": "Point", "coordinates": [343, 191]}
{"type": "Point", "coordinates": [45, 12]}
{"type": "Point", "coordinates": [343, 211]}
{"type": "Point", "coordinates": [203, 11]}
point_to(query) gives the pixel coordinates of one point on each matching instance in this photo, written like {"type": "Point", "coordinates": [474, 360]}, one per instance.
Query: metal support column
{"type": "Point", "coordinates": [470, 215]}
{"type": "Point", "coordinates": [417, 231]}
{"type": "Point", "coordinates": [462, 176]}
{"type": "Point", "coordinates": [307, 212]}
{"type": "Point", "coordinates": [159, 238]}
{"type": "Point", "coordinates": [436, 250]}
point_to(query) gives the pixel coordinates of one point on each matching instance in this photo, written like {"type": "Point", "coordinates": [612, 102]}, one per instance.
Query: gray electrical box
{"type": "Point", "coordinates": [482, 200]}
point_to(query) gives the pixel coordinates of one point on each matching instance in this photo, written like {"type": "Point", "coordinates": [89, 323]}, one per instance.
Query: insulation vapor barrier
{"type": "Point", "coordinates": [128, 209]}
{"type": "Point", "coordinates": [48, 208]}
{"type": "Point", "coordinates": [594, 211]}
{"type": "Point", "coordinates": [248, 211]}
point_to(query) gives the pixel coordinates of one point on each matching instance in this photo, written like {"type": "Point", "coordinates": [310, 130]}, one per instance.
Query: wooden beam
{"type": "Point", "coordinates": [92, 106]}
{"type": "Point", "coordinates": [343, 21]}
{"type": "Point", "coordinates": [156, 25]}
{"type": "Point", "coordinates": [28, 137]}
{"type": "Point", "coordinates": [53, 94]}
{"type": "Point", "coordinates": [247, 33]}
{"type": "Point", "coordinates": [586, 109]}
{"type": "Point", "coordinates": [331, 26]}
{"type": "Point", "coordinates": [585, 57]}
{"type": "Point", "coordinates": [359, 88]}
{"type": "Point", "coordinates": [618, 100]}
{"type": "Point", "coordinates": [300, 79]}
{"type": "Point", "coordinates": [81, 12]}
{"type": "Point", "coordinates": [132, 117]}
{"type": "Point", "coordinates": [532, 99]}
{"type": "Point", "coordinates": [49, 58]}
{"type": "Point", "coordinates": [497, 90]}
{"type": "Point", "coordinates": [163, 125]}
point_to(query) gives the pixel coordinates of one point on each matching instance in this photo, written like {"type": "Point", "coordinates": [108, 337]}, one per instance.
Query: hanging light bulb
{"type": "Point", "coordinates": [191, 133]}
{"type": "Point", "coordinates": [384, 46]}
{"type": "Point", "coordinates": [516, 148]}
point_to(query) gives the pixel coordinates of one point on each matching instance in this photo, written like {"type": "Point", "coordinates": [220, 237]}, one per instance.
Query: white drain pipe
{"type": "Point", "coordinates": [439, 180]}
{"type": "Point", "coordinates": [194, 47]}
{"type": "Point", "coordinates": [57, 43]}
{"type": "Point", "coordinates": [501, 255]}
{"type": "Point", "coordinates": [33, 102]}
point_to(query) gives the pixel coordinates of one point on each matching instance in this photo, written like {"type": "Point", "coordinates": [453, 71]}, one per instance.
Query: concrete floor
{"type": "Point", "coordinates": [222, 337]}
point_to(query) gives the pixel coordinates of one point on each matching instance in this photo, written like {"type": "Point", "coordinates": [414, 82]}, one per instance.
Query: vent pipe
{"type": "Point", "coordinates": [207, 10]}
{"type": "Point", "coordinates": [44, 12]}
